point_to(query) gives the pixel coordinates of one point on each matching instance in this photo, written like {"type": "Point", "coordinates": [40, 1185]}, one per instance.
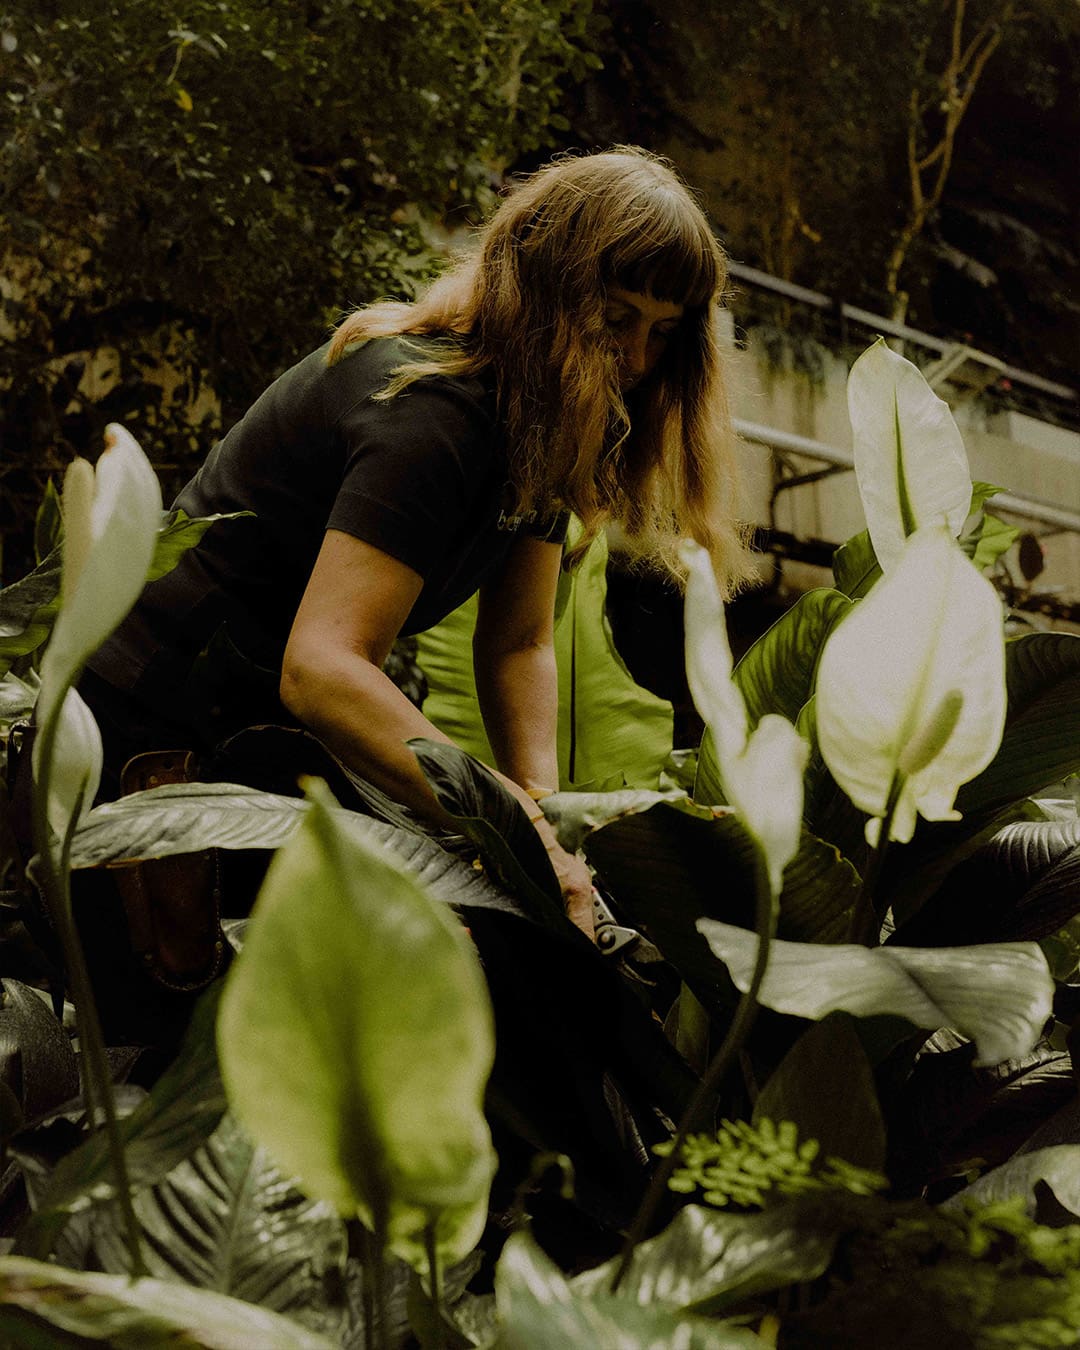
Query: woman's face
{"type": "Point", "coordinates": [640, 327]}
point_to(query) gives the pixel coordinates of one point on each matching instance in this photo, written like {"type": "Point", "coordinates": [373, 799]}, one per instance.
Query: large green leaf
{"type": "Point", "coordinates": [1058, 1166]}
{"type": "Point", "coordinates": [709, 1259]}
{"type": "Point", "coordinates": [668, 867]}
{"type": "Point", "coordinates": [355, 1039]}
{"type": "Point", "coordinates": [612, 732]}
{"type": "Point", "coordinates": [574, 815]}
{"type": "Point", "coordinates": [1041, 743]}
{"type": "Point", "coordinates": [1023, 883]}
{"type": "Point", "coordinates": [998, 995]}
{"type": "Point", "coordinates": [43, 1306]}
{"type": "Point", "coordinates": [227, 1219]}
{"type": "Point", "coordinates": [183, 1109]}
{"type": "Point", "coordinates": [179, 532]}
{"type": "Point", "coordinates": [28, 610]}
{"type": "Point", "coordinates": [186, 817]}
{"type": "Point", "coordinates": [777, 673]}
{"type": "Point", "coordinates": [488, 814]}
{"type": "Point", "coordinates": [855, 566]}
{"type": "Point", "coordinates": [539, 1309]}
{"type": "Point", "coordinates": [826, 1086]}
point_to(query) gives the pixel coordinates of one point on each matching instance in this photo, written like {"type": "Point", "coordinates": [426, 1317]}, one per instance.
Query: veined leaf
{"type": "Point", "coordinates": [227, 1219]}
{"type": "Point", "coordinates": [539, 1309]}
{"type": "Point", "coordinates": [826, 1086]}
{"type": "Point", "coordinates": [1041, 743]}
{"type": "Point", "coordinates": [355, 1040]}
{"type": "Point", "coordinates": [777, 673]}
{"type": "Point", "coordinates": [43, 1306]}
{"type": "Point", "coordinates": [177, 533]}
{"type": "Point", "coordinates": [1058, 1166]}
{"type": "Point", "coordinates": [1000, 995]}
{"type": "Point", "coordinates": [186, 817]}
{"type": "Point", "coordinates": [494, 820]}
{"type": "Point", "coordinates": [667, 867]}
{"type": "Point", "coordinates": [855, 566]}
{"type": "Point", "coordinates": [28, 609]}
{"type": "Point", "coordinates": [574, 815]}
{"type": "Point", "coordinates": [183, 1109]}
{"type": "Point", "coordinates": [709, 1259]}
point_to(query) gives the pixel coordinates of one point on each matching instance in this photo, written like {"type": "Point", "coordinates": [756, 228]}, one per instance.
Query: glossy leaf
{"type": "Point", "coordinates": [177, 533]}
{"type": "Point", "coordinates": [185, 817]}
{"type": "Point", "coordinates": [574, 815]}
{"type": "Point", "coordinates": [43, 1306]}
{"type": "Point", "coordinates": [1041, 741]}
{"type": "Point", "coordinates": [28, 609]}
{"type": "Point", "coordinates": [1022, 883]}
{"type": "Point", "coordinates": [911, 686]}
{"type": "Point", "coordinates": [910, 462]}
{"type": "Point", "coordinates": [488, 814]}
{"type": "Point", "coordinates": [1000, 996]}
{"type": "Point", "coordinates": [355, 1040]}
{"type": "Point", "coordinates": [855, 568]}
{"type": "Point", "coordinates": [826, 1086]}
{"type": "Point", "coordinates": [709, 1259]}
{"type": "Point", "coordinates": [666, 868]}
{"type": "Point", "coordinates": [612, 732]}
{"type": "Point", "coordinates": [227, 1219]}
{"type": "Point", "coordinates": [183, 1109]}
{"type": "Point", "coordinates": [1058, 1166]}
{"type": "Point", "coordinates": [539, 1309]}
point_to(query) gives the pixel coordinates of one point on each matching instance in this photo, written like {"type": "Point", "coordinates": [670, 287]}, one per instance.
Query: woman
{"type": "Point", "coordinates": [433, 450]}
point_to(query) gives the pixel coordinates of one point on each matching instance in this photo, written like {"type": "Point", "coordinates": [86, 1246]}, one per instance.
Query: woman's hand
{"type": "Point", "coordinates": [575, 882]}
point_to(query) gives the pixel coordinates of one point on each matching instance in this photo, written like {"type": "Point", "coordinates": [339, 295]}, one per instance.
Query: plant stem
{"type": "Point", "coordinates": [377, 1250]}
{"type": "Point", "coordinates": [436, 1285]}
{"type": "Point", "coordinates": [865, 926]}
{"type": "Point", "coordinates": [705, 1092]}
{"type": "Point", "coordinates": [55, 882]}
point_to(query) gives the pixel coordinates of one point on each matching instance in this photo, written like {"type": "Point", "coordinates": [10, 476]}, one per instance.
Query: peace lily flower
{"type": "Point", "coordinates": [111, 519]}
{"type": "Point", "coordinates": [910, 695]}
{"type": "Point", "coordinates": [761, 771]}
{"type": "Point", "coordinates": [910, 462]}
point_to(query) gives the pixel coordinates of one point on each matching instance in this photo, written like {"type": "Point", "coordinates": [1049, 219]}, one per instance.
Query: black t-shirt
{"type": "Point", "coordinates": [421, 476]}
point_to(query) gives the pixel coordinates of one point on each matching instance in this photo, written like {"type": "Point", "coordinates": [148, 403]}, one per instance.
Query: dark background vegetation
{"type": "Point", "coordinates": [212, 185]}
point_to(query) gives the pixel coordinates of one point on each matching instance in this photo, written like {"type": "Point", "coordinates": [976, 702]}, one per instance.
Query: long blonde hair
{"type": "Point", "coordinates": [529, 303]}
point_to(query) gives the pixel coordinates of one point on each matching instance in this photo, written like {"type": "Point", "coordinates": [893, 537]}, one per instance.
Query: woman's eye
{"type": "Point", "coordinates": [617, 322]}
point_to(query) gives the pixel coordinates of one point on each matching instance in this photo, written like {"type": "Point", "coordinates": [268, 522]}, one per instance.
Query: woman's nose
{"type": "Point", "coordinates": [633, 355]}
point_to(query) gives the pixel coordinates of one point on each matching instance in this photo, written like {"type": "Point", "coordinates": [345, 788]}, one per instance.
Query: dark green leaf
{"type": "Point", "coordinates": [177, 534]}
{"type": "Point", "coordinates": [1058, 1166]}
{"type": "Point", "coordinates": [666, 868]}
{"type": "Point", "coordinates": [43, 1306]}
{"type": "Point", "coordinates": [825, 1085]}
{"type": "Point", "coordinates": [710, 1261]}
{"type": "Point", "coordinates": [182, 1110]}
{"type": "Point", "coordinates": [1023, 883]}
{"type": "Point", "coordinates": [540, 1310]}
{"type": "Point", "coordinates": [227, 1219]}
{"type": "Point", "coordinates": [1041, 743]}
{"type": "Point", "coordinates": [28, 609]}
{"type": "Point", "coordinates": [48, 523]}
{"type": "Point", "coordinates": [485, 812]}
{"type": "Point", "coordinates": [855, 567]}
{"type": "Point", "coordinates": [186, 817]}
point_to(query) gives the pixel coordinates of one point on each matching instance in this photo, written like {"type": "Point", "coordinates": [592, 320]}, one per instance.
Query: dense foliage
{"type": "Point", "coordinates": [215, 185]}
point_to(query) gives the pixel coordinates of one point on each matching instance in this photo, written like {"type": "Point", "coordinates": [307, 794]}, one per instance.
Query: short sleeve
{"type": "Point", "coordinates": [415, 467]}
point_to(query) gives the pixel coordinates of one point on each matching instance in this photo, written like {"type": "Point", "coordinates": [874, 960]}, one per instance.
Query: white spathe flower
{"type": "Point", "coordinates": [75, 772]}
{"type": "Point", "coordinates": [111, 519]}
{"type": "Point", "coordinates": [911, 686]}
{"type": "Point", "coordinates": [761, 772]}
{"type": "Point", "coordinates": [910, 462]}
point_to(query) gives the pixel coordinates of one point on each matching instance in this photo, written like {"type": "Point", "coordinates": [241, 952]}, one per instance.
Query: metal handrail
{"type": "Point", "coordinates": [878, 323]}
{"type": "Point", "coordinates": [1015, 504]}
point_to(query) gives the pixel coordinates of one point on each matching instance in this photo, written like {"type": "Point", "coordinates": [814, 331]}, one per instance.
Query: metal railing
{"type": "Point", "coordinates": [950, 350]}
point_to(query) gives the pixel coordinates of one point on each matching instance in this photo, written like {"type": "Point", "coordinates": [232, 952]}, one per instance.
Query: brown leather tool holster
{"type": "Point", "coordinates": [173, 904]}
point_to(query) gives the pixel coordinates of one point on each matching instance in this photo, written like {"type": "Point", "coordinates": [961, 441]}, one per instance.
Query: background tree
{"type": "Point", "coordinates": [212, 184]}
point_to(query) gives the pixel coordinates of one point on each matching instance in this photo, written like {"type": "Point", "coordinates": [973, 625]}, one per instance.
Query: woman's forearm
{"type": "Point", "coordinates": [519, 700]}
